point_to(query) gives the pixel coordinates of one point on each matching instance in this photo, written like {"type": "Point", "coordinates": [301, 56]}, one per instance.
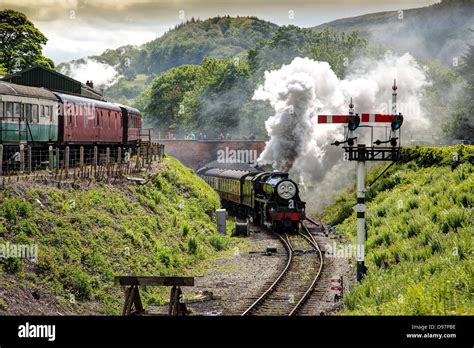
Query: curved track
{"type": "Point", "coordinates": [295, 283]}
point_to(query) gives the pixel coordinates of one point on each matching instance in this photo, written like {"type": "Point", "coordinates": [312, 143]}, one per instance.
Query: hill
{"type": "Point", "coordinates": [110, 230]}
{"type": "Point", "coordinates": [419, 249]}
{"type": "Point", "coordinates": [187, 43]}
{"type": "Point", "coordinates": [440, 31]}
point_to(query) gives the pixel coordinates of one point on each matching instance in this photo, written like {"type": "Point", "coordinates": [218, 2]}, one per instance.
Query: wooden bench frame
{"type": "Point", "coordinates": [132, 294]}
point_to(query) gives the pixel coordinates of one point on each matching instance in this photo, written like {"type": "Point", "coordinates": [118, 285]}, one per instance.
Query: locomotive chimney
{"type": "Point", "coordinates": [90, 84]}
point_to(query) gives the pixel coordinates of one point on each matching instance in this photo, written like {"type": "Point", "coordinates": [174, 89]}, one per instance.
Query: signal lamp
{"type": "Point", "coordinates": [354, 122]}
{"type": "Point", "coordinates": [397, 122]}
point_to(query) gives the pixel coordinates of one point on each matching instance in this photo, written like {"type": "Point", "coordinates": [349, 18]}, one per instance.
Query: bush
{"type": "Point", "coordinates": [185, 230]}
{"type": "Point", "coordinates": [12, 264]}
{"type": "Point", "coordinates": [219, 242]}
{"type": "Point", "coordinates": [166, 257]}
{"type": "Point", "coordinates": [14, 209]}
{"type": "Point", "coordinates": [193, 245]}
{"type": "Point", "coordinates": [76, 281]}
{"type": "Point", "coordinates": [452, 219]}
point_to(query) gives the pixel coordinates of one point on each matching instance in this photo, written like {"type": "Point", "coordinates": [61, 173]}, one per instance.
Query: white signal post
{"type": "Point", "coordinates": [361, 154]}
{"type": "Point", "coordinates": [394, 104]}
{"type": "Point", "coordinates": [360, 209]}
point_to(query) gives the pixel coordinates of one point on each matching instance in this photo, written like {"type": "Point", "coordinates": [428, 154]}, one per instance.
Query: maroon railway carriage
{"type": "Point", "coordinates": [90, 121]}
{"type": "Point", "coordinates": [132, 124]}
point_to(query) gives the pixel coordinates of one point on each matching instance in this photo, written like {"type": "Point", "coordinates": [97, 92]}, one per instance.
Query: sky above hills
{"type": "Point", "coordinates": [78, 28]}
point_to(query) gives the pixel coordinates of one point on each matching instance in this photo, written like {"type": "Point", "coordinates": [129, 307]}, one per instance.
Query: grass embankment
{"type": "Point", "coordinates": [419, 250]}
{"type": "Point", "coordinates": [87, 236]}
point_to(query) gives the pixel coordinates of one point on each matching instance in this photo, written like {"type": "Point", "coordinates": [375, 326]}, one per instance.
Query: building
{"type": "Point", "coordinates": [40, 76]}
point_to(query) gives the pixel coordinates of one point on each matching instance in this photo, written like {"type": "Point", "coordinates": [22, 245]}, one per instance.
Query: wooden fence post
{"type": "Point", "coordinates": [66, 160]}
{"type": "Point", "coordinates": [22, 158]}
{"type": "Point", "coordinates": [107, 157]}
{"type": "Point", "coordinates": [1, 159]}
{"type": "Point", "coordinates": [51, 158]}
{"type": "Point", "coordinates": [30, 159]}
{"type": "Point", "coordinates": [57, 159]}
{"type": "Point", "coordinates": [81, 157]}
{"type": "Point", "coordinates": [138, 159]}
{"type": "Point", "coordinates": [94, 160]}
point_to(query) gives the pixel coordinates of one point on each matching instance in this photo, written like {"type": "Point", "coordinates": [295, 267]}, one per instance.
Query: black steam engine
{"type": "Point", "coordinates": [267, 198]}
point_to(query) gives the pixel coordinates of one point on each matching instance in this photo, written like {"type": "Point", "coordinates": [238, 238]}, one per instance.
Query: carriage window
{"type": "Point", "coordinates": [84, 115]}
{"type": "Point", "coordinates": [115, 120]}
{"type": "Point", "coordinates": [28, 113]}
{"type": "Point", "coordinates": [16, 110]}
{"type": "Point", "coordinates": [100, 119]}
{"type": "Point", "coordinates": [109, 118]}
{"type": "Point", "coordinates": [42, 110]}
{"type": "Point", "coordinates": [34, 112]}
{"type": "Point", "coordinates": [70, 114]}
{"type": "Point", "coordinates": [1, 110]}
{"type": "Point", "coordinates": [47, 111]}
{"type": "Point", "coordinates": [10, 110]}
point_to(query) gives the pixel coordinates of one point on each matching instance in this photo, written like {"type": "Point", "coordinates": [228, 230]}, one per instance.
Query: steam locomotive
{"type": "Point", "coordinates": [270, 199]}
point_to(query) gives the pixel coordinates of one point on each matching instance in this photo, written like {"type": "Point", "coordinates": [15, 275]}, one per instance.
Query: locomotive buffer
{"type": "Point", "coordinates": [389, 151]}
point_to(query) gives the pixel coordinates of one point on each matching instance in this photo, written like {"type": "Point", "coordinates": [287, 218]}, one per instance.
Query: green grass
{"type": "Point", "coordinates": [167, 227]}
{"type": "Point", "coordinates": [419, 250]}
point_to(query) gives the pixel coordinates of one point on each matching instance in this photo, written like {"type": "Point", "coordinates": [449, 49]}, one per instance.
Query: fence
{"type": "Point", "coordinates": [76, 162]}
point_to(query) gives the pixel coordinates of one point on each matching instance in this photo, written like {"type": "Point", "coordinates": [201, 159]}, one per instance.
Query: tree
{"type": "Point", "coordinates": [291, 41]}
{"type": "Point", "coordinates": [467, 67]}
{"type": "Point", "coordinates": [220, 101]}
{"type": "Point", "coordinates": [335, 48]}
{"type": "Point", "coordinates": [163, 101]}
{"type": "Point", "coordinates": [20, 42]}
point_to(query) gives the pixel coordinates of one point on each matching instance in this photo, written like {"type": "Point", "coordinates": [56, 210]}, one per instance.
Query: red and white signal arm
{"type": "Point", "coordinates": [364, 118]}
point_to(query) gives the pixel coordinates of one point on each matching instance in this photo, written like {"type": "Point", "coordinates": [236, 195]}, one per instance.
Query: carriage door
{"type": "Point", "coordinates": [68, 121]}
{"type": "Point", "coordinates": [50, 119]}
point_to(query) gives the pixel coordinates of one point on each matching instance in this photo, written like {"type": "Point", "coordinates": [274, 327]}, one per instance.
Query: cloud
{"type": "Point", "coordinates": [77, 28]}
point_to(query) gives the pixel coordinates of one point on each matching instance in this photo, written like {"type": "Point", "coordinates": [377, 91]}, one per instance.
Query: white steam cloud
{"type": "Point", "coordinates": [301, 90]}
{"type": "Point", "coordinates": [103, 75]}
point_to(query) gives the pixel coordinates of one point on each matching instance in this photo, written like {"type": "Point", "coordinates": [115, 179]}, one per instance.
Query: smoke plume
{"type": "Point", "coordinates": [301, 90]}
{"type": "Point", "coordinates": [85, 69]}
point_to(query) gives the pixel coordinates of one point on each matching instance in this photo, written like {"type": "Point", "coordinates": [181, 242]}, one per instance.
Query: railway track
{"type": "Point", "coordinates": [294, 285]}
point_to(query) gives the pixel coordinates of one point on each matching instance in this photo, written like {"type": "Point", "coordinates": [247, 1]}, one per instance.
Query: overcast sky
{"type": "Point", "coordinates": [77, 28]}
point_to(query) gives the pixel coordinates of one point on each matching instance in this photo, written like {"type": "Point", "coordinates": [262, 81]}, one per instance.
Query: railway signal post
{"type": "Point", "coordinates": [362, 153]}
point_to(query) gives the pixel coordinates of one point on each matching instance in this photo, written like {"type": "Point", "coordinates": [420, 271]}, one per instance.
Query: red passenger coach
{"type": "Point", "coordinates": [132, 124]}
{"type": "Point", "coordinates": [85, 121]}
